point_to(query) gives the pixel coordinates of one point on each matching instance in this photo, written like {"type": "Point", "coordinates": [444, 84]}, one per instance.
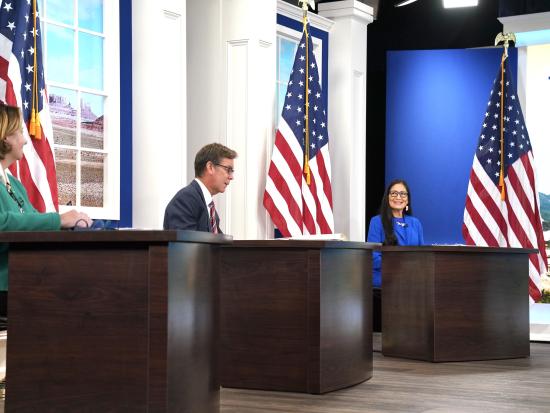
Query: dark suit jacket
{"type": "Point", "coordinates": [187, 210]}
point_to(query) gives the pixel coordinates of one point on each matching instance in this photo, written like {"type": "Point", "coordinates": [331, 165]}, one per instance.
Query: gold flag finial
{"type": "Point", "coordinates": [305, 3]}
{"type": "Point", "coordinates": [506, 38]}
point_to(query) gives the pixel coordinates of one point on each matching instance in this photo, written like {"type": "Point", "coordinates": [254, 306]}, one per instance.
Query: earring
{"type": "Point", "coordinates": [407, 208]}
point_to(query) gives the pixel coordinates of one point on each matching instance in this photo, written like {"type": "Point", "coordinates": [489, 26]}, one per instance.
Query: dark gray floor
{"type": "Point", "coordinates": [399, 385]}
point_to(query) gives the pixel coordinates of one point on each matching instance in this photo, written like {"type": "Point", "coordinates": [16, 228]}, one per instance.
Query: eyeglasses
{"type": "Point", "coordinates": [228, 169]}
{"type": "Point", "coordinates": [402, 195]}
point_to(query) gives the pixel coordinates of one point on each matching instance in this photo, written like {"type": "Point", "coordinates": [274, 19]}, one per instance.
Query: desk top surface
{"type": "Point", "coordinates": [458, 248]}
{"type": "Point", "coordinates": [112, 236]}
{"type": "Point", "coordinates": [307, 244]}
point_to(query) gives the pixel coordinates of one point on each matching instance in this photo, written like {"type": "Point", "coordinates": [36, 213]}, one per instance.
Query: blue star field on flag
{"type": "Point", "coordinates": [16, 24]}
{"type": "Point", "coordinates": [294, 112]}
{"type": "Point", "coordinates": [516, 139]}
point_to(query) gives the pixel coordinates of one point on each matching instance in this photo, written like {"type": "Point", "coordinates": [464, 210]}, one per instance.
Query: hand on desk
{"type": "Point", "coordinates": [74, 218]}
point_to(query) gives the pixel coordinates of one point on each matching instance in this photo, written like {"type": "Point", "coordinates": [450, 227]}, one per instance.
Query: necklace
{"type": "Point", "coordinates": [17, 200]}
{"type": "Point", "coordinates": [401, 223]}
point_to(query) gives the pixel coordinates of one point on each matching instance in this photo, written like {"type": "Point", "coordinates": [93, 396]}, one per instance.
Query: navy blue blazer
{"type": "Point", "coordinates": [187, 210]}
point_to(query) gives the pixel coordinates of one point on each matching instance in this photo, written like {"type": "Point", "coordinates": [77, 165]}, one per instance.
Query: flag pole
{"type": "Point", "coordinates": [306, 134]}
{"type": "Point", "coordinates": [506, 38]}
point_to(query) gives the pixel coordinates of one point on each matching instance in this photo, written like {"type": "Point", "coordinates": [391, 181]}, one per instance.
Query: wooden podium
{"type": "Point", "coordinates": [295, 315]}
{"type": "Point", "coordinates": [112, 321]}
{"type": "Point", "coordinates": [455, 303]}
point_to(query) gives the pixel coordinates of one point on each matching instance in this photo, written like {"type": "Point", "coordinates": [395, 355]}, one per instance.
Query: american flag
{"type": "Point", "coordinates": [21, 77]}
{"type": "Point", "coordinates": [296, 206]}
{"type": "Point", "coordinates": [505, 212]}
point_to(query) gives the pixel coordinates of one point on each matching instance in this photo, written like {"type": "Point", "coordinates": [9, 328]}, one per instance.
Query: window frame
{"type": "Point", "coordinates": [111, 107]}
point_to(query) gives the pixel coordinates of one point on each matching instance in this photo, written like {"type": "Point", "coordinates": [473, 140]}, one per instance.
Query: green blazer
{"type": "Point", "coordinates": [12, 219]}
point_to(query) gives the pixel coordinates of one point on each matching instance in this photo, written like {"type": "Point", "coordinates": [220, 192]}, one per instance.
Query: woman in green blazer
{"type": "Point", "coordinates": [16, 211]}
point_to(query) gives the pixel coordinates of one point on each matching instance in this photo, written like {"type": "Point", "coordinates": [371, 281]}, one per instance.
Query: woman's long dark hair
{"type": "Point", "coordinates": [386, 214]}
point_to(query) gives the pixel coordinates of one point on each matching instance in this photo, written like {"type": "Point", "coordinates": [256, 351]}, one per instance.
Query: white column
{"type": "Point", "coordinates": [158, 107]}
{"type": "Point", "coordinates": [347, 112]}
{"type": "Point", "coordinates": [248, 86]}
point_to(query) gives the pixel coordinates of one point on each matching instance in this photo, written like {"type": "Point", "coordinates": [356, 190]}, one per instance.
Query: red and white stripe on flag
{"type": "Point", "coordinates": [297, 207]}
{"type": "Point", "coordinates": [37, 168]}
{"type": "Point", "coordinates": [515, 220]}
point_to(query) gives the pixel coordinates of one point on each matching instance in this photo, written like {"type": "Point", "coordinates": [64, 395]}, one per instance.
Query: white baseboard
{"type": "Point", "coordinates": [539, 332]}
{"type": "Point", "coordinates": [539, 327]}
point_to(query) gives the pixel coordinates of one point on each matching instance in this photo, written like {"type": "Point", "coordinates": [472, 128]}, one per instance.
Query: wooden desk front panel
{"type": "Point", "coordinates": [78, 334]}
{"type": "Point", "coordinates": [407, 305]}
{"type": "Point", "coordinates": [113, 327]}
{"type": "Point", "coordinates": [345, 318]}
{"type": "Point", "coordinates": [193, 329]}
{"type": "Point", "coordinates": [295, 319]}
{"type": "Point", "coordinates": [264, 318]}
{"type": "Point", "coordinates": [455, 306]}
{"type": "Point", "coordinates": [481, 306]}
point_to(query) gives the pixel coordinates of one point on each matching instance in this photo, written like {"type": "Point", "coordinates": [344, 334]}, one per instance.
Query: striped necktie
{"type": "Point", "coordinates": [213, 225]}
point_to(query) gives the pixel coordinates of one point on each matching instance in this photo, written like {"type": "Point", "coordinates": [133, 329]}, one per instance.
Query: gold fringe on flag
{"type": "Point", "coordinates": [506, 38]}
{"type": "Point", "coordinates": [501, 177]}
{"type": "Point", "coordinates": [34, 125]}
{"type": "Point", "coordinates": [307, 172]}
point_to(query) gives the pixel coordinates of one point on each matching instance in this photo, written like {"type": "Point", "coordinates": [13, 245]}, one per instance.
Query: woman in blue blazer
{"type": "Point", "coordinates": [395, 225]}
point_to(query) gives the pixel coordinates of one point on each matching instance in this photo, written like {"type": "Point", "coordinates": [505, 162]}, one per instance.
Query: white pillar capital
{"type": "Point", "coordinates": [347, 9]}
{"type": "Point", "coordinates": [525, 22]}
{"type": "Point", "coordinates": [296, 13]}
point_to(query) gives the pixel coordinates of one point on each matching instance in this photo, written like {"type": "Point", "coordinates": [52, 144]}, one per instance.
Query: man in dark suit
{"type": "Point", "coordinates": [192, 207]}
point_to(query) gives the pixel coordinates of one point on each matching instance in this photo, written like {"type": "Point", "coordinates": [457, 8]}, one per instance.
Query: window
{"type": "Point", "coordinates": [80, 49]}
{"type": "Point", "coordinates": [286, 50]}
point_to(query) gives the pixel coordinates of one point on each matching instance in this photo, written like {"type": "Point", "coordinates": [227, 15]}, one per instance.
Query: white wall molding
{"type": "Point", "coordinates": [349, 8]}
{"type": "Point", "coordinates": [237, 86]}
{"type": "Point", "coordinates": [265, 44]}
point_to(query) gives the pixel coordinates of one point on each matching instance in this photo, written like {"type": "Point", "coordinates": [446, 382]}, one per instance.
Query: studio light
{"type": "Point", "coordinates": [404, 3]}
{"type": "Point", "coordinates": [459, 3]}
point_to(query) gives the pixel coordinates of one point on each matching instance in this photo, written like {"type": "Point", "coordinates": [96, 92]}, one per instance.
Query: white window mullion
{"type": "Point", "coordinates": [111, 58]}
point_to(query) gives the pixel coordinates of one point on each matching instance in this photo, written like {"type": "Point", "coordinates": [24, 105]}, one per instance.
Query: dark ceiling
{"type": "Point", "coordinates": [506, 7]}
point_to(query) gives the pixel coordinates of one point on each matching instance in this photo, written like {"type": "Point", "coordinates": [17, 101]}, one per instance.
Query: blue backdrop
{"type": "Point", "coordinates": [436, 102]}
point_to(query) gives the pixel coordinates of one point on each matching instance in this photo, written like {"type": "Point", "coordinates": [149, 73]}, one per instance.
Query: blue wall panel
{"type": "Point", "coordinates": [125, 113]}
{"type": "Point", "coordinates": [436, 102]}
